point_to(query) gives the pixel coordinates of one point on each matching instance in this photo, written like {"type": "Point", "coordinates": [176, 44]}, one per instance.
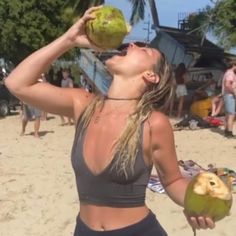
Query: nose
{"type": "Point", "coordinates": [132, 45]}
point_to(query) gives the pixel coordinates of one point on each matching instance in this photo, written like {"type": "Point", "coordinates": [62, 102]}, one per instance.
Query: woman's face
{"type": "Point", "coordinates": [133, 60]}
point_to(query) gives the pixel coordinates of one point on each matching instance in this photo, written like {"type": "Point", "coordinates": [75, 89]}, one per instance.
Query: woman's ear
{"type": "Point", "coordinates": [151, 77]}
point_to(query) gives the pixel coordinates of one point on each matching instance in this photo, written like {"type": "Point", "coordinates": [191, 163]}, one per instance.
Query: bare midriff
{"type": "Point", "coordinates": [103, 218]}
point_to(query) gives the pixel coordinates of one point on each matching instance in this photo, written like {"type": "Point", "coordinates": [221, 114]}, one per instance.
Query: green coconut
{"type": "Point", "coordinates": [207, 195]}
{"type": "Point", "coordinates": [108, 29]}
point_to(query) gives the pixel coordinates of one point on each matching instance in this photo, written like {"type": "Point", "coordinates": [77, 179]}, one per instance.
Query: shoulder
{"type": "Point", "coordinates": [159, 121]}
{"type": "Point", "coordinates": [160, 128]}
{"type": "Point", "coordinates": [229, 75]}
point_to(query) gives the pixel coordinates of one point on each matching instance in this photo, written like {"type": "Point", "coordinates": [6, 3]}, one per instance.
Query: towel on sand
{"type": "Point", "coordinates": [189, 169]}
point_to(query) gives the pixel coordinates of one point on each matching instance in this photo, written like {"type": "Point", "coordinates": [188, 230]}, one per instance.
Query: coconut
{"type": "Point", "coordinates": [108, 29]}
{"type": "Point", "coordinates": [207, 195]}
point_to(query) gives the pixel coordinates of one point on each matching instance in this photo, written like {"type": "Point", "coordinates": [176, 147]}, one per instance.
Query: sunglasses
{"type": "Point", "coordinates": [125, 45]}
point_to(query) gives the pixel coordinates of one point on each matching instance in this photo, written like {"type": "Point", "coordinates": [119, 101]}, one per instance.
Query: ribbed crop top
{"type": "Point", "coordinates": [110, 188]}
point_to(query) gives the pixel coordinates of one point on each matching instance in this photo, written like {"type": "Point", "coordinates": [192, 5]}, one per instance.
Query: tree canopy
{"type": "Point", "coordinates": [80, 6]}
{"type": "Point", "coordinates": [27, 25]}
{"type": "Point", "coordinates": [219, 19]}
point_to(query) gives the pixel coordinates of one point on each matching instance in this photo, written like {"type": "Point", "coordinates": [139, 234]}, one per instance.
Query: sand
{"type": "Point", "coordinates": [38, 195]}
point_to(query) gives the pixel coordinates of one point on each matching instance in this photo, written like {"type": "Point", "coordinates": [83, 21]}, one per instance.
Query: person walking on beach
{"type": "Point", "coordinates": [119, 136]}
{"type": "Point", "coordinates": [66, 82]}
{"type": "Point", "coordinates": [30, 113]}
{"type": "Point", "coordinates": [181, 90]}
{"type": "Point", "coordinates": [229, 97]}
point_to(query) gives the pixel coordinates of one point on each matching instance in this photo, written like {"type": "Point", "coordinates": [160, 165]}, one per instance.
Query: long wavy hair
{"type": "Point", "coordinates": [156, 97]}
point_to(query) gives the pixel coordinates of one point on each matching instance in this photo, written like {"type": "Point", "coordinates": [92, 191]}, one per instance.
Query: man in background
{"type": "Point", "coordinates": [229, 96]}
{"type": "Point", "coordinates": [66, 82]}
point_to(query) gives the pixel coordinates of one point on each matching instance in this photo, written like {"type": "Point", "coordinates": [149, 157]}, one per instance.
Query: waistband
{"type": "Point", "coordinates": [228, 95]}
{"type": "Point", "coordinates": [141, 228]}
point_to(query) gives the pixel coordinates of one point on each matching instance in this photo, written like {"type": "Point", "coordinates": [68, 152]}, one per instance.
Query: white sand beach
{"type": "Point", "coordinates": [38, 195]}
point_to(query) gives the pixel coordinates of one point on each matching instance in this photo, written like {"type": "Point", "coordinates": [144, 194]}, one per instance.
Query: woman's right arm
{"type": "Point", "coordinates": [22, 81]}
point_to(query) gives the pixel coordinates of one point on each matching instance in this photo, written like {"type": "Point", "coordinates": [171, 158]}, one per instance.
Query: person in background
{"type": "Point", "coordinates": [208, 90]}
{"type": "Point", "coordinates": [59, 77]}
{"type": "Point", "coordinates": [181, 90]}
{"type": "Point", "coordinates": [229, 97]}
{"type": "Point", "coordinates": [30, 113]}
{"type": "Point", "coordinates": [217, 105]}
{"type": "Point", "coordinates": [119, 137]}
{"type": "Point", "coordinates": [66, 82]}
{"type": "Point", "coordinates": [43, 79]}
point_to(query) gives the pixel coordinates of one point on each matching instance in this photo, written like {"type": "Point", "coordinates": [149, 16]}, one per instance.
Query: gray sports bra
{"type": "Point", "coordinates": [109, 188]}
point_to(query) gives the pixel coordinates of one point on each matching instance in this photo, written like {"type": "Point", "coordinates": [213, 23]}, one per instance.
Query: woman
{"type": "Point", "coordinates": [118, 137]}
{"type": "Point", "coordinates": [181, 90]}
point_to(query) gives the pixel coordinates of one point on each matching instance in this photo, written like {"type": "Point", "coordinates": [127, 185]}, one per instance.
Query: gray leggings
{"type": "Point", "coordinates": [149, 226]}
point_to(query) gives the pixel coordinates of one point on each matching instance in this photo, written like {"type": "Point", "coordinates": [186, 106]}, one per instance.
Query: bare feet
{"type": "Point", "coordinates": [36, 135]}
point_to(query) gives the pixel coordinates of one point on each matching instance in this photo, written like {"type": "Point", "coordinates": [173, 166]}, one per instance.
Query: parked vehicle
{"type": "Point", "coordinates": [8, 102]}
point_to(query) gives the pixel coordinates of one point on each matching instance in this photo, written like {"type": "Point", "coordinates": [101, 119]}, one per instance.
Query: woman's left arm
{"type": "Point", "coordinates": [165, 160]}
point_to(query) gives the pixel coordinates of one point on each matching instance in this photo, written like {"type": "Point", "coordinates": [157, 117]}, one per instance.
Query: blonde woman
{"type": "Point", "coordinates": [119, 137]}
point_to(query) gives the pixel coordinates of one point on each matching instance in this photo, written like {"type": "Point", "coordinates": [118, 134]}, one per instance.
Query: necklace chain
{"type": "Point", "coordinates": [120, 99]}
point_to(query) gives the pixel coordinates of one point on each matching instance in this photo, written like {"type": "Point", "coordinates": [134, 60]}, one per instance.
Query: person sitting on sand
{"type": "Point", "coordinates": [119, 137]}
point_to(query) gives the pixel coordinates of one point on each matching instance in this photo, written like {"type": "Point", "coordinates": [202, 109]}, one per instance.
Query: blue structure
{"type": "Point", "coordinates": [95, 71]}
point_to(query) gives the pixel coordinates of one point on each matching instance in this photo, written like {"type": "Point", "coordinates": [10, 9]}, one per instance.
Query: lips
{"type": "Point", "coordinates": [123, 53]}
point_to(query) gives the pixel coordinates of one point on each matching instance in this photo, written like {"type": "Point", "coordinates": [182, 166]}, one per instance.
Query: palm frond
{"type": "Point", "coordinates": [138, 11]}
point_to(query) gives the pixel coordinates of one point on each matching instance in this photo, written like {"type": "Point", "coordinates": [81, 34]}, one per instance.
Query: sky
{"type": "Point", "coordinates": [168, 11]}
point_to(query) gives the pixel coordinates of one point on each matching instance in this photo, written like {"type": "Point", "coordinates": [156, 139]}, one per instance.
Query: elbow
{"type": "Point", "coordinates": [9, 83]}
{"type": "Point", "coordinates": [12, 86]}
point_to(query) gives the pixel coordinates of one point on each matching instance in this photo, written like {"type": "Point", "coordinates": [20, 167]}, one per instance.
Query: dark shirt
{"type": "Point", "coordinates": [110, 187]}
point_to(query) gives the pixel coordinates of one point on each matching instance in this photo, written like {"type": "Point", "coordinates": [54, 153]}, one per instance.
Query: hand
{"type": "Point", "coordinates": [77, 35]}
{"type": "Point", "coordinates": [200, 222]}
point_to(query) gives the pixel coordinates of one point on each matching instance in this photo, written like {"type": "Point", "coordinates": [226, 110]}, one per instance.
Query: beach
{"type": "Point", "coordinates": [38, 195]}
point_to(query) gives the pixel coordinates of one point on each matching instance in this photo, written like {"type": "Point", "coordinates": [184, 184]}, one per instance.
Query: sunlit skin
{"type": "Point", "coordinates": [131, 75]}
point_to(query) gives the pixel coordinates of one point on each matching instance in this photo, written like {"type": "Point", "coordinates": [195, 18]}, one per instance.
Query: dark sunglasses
{"type": "Point", "coordinates": [125, 45]}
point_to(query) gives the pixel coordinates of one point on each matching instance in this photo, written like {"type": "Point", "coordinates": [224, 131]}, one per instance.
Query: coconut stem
{"type": "Point", "coordinates": [194, 232]}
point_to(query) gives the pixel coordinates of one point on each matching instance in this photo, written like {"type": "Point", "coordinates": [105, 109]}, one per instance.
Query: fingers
{"type": "Point", "coordinates": [92, 9]}
{"type": "Point", "coordinates": [210, 223]}
{"type": "Point", "coordinates": [88, 14]}
{"type": "Point", "coordinates": [200, 222]}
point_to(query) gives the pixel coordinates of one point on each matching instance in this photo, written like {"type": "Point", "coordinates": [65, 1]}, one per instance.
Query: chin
{"type": "Point", "coordinates": [110, 63]}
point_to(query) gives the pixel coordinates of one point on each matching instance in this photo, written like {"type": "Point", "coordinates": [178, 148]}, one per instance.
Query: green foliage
{"type": "Point", "coordinates": [225, 22]}
{"type": "Point", "coordinates": [78, 7]}
{"type": "Point", "coordinates": [220, 20]}
{"type": "Point", "coordinates": [27, 25]}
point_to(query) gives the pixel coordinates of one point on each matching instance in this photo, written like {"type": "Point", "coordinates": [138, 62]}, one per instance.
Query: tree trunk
{"type": "Point", "coordinates": [154, 13]}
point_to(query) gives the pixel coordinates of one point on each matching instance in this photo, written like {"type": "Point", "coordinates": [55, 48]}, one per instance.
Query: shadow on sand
{"type": "Point", "coordinates": [41, 133]}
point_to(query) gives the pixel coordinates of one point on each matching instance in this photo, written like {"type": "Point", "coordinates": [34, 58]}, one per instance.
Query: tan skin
{"type": "Point", "coordinates": [131, 75]}
{"type": "Point", "coordinates": [229, 118]}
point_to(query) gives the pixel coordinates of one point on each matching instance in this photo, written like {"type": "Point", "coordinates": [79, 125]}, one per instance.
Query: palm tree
{"type": "Point", "coordinates": [138, 11]}
{"type": "Point", "coordinates": [78, 7]}
{"type": "Point", "coordinates": [154, 13]}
